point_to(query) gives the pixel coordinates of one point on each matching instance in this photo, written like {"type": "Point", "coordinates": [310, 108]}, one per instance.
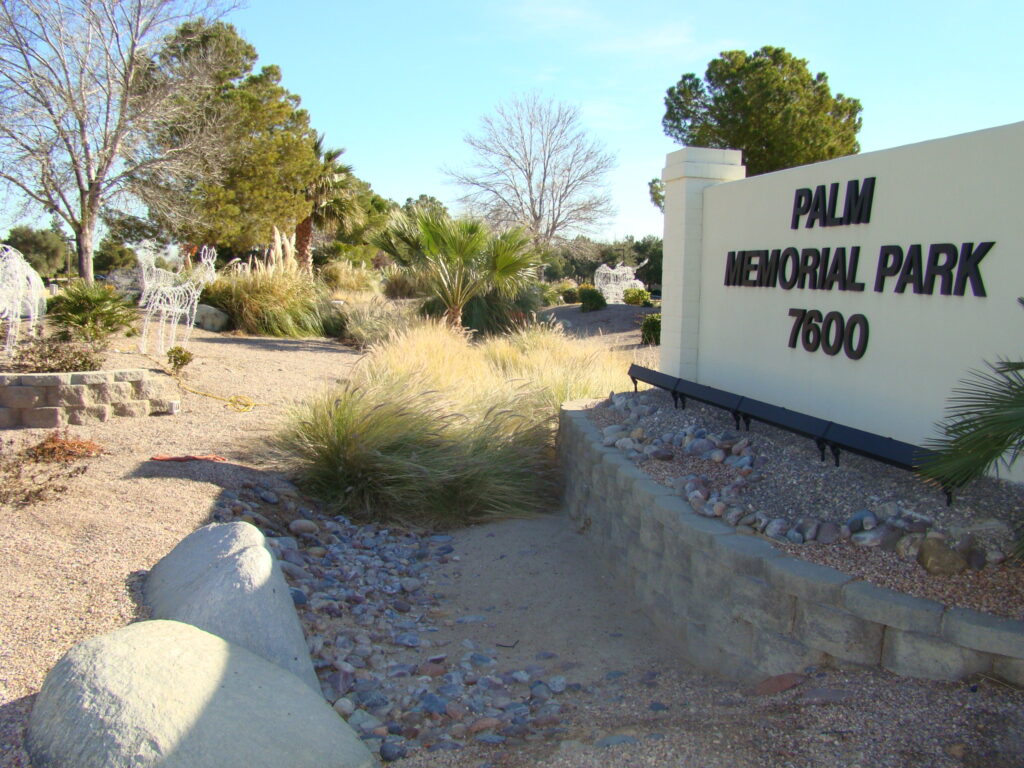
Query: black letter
{"type": "Point", "coordinates": [809, 260]}
{"type": "Point", "coordinates": [887, 268]}
{"type": "Point", "coordinates": [911, 272]}
{"type": "Point", "coordinates": [790, 259]}
{"type": "Point", "coordinates": [768, 275]}
{"type": "Point", "coordinates": [833, 200]}
{"type": "Point", "coordinates": [970, 258]}
{"type": "Point", "coordinates": [817, 207]}
{"type": "Point", "coordinates": [851, 274]}
{"type": "Point", "coordinates": [801, 205]}
{"type": "Point", "coordinates": [733, 268]}
{"type": "Point", "coordinates": [858, 201]}
{"type": "Point", "coordinates": [944, 270]}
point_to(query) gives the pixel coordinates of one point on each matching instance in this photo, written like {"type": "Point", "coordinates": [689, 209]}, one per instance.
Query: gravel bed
{"type": "Point", "coordinates": [787, 479]}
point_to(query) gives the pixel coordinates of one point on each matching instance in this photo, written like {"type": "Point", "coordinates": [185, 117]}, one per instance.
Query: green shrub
{"type": "Point", "coordinates": [401, 282]}
{"type": "Point", "coordinates": [591, 299]}
{"type": "Point", "coordinates": [570, 295]}
{"type": "Point", "coordinates": [650, 329]}
{"type": "Point", "coordinates": [54, 355]}
{"type": "Point", "coordinates": [284, 303]}
{"type": "Point", "coordinates": [345, 276]}
{"type": "Point", "coordinates": [435, 429]}
{"type": "Point", "coordinates": [550, 294]}
{"type": "Point", "coordinates": [370, 322]}
{"type": "Point", "coordinates": [637, 297]}
{"type": "Point", "coordinates": [90, 313]}
{"type": "Point", "coordinates": [178, 358]}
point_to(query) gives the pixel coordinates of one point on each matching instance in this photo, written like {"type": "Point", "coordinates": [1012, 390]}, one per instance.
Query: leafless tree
{"type": "Point", "coordinates": [82, 94]}
{"type": "Point", "coordinates": [535, 167]}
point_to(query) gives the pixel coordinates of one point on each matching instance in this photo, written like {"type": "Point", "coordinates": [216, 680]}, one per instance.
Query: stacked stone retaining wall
{"type": "Point", "coordinates": [736, 606]}
{"type": "Point", "coordinates": [58, 399]}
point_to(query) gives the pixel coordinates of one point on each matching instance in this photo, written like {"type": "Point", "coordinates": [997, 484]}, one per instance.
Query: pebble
{"type": "Point", "coordinates": [302, 526]}
{"type": "Point", "coordinates": [615, 740]}
{"type": "Point", "coordinates": [391, 751]}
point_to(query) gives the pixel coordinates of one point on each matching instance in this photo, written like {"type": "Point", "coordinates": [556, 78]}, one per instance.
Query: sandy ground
{"type": "Point", "coordinates": [67, 566]}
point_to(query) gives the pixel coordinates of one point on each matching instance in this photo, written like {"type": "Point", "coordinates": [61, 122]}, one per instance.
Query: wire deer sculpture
{"type": "Point", "coordinates": [22, 294]}
{"type": "Point", "coordinates": [175, 303]}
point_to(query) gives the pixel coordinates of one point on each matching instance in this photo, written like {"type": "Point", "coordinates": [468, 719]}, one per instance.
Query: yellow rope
{"type": "Point", "coordinates": [240, 403]}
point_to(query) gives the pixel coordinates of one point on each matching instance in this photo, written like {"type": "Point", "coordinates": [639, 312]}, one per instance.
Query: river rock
{"type": "Point", "coordinates": [828, 533]}
{"type": "Point", "coordinates": [164, 693]}
{"type": "Point", "coordinates": [882, 537]}
{"type": "Point", "coordinates": [939, 560]}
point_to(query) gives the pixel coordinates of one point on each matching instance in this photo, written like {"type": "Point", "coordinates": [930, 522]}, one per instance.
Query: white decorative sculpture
{"type": "Point", "coordinates": [22, 294]}
{"type": "Point", "coordinates": [175, 304]}
{"type": "Point", "coordinates": [612, 282]}
{"type": "Point", "coordinates": [150, 275]}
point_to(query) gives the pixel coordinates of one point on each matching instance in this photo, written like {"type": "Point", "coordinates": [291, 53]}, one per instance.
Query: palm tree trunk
{"type": "Point", "coordinates": [454, 316]}
{"type": "Point", "coordinates": [304, 244]}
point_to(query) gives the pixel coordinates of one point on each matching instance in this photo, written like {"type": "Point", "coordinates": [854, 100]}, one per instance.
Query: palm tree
{"type": "Point", "coordinates": [333, 193]}
{"type": "Point", "coordinates": [983, 428]}
{"type": "Point", "coordinates": [460, 259]}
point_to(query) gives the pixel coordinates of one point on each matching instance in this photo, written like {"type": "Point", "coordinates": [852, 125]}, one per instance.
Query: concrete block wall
{"type": "Point", "coordinates": [736, 606]}
{"type": "Point", "coordinates": [53, 400]}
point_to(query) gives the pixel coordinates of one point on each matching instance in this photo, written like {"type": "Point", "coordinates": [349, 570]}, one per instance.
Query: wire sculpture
{"type": "Point", "coordinates": [150, 275]}
{"type": "Point", "coordinates": [176, 304]}
{"type": "Point", "coordinates": [22, 294]}
{"type": "Point", "coordinates": [613, 282]}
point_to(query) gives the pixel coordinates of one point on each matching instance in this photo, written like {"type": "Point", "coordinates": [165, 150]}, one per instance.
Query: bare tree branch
{"type": "Point", "coordinates": [81, 96]}
{"type": "Point", "coordinates": [535, 167]}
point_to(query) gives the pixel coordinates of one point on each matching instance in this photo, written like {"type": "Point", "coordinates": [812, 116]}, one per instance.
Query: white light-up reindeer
{"type": "Point", "coordinates": [22, 294]}
{"type": "Point", "coordinates": [176, 304]}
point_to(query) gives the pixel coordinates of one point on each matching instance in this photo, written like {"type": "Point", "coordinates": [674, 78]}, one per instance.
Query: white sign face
{"type": "Point", "coordinates": [862, 290]}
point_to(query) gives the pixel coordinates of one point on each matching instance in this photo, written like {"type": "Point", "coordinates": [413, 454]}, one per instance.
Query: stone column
{"type": "Point", "coordinates": [687, 174]}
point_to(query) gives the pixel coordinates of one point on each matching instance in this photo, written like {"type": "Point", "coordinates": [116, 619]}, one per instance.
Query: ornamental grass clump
{"type": "Point", "coordinates": [435, 429]}
{"type": "Point", "coordinates": [269, 302]}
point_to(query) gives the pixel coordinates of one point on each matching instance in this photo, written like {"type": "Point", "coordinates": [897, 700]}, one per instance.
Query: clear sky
{"type": "Point", "coordinates": [399, 83]}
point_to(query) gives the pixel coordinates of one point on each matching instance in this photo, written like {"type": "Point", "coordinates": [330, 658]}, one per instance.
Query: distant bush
{"type": "Point", "coordinates": [637, 297]}
{"type": "Point", "coordinates": [371, 321]}
{"type": "Point", "coordinates": [346, 276]}
{"type": "Point", "coordinates": [550, 294]}
{"type": "Point", "coordinates": [54, 355]}
{"type": "Point", "coordinates": [401, 282]}
{"type": "Point", "coordinates": [650, 329]}
{"type": "Point", "coordinates": [571, 295]}
{"type": "Point", "coordinates": [270, 303]}
{"type": "Point", "coordinates": [90, 312]}
{"type": "Point", "coordinates": [591, 299]}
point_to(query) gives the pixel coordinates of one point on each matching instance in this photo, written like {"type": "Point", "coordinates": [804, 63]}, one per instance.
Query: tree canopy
{"type": "Point", "coordinates": [79, 100]}
{"type": "Point", "coordinates": [43, 248]}
{"type": "Point", "coordinates": [767, 104]}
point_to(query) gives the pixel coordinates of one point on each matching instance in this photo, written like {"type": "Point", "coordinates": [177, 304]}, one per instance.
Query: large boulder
{"type": "Point", "coordinates": [163, 693]}
{"type": "Point", "coordinates": [212, 319]}
{"type": "Point", "coordinates": [223, 578]}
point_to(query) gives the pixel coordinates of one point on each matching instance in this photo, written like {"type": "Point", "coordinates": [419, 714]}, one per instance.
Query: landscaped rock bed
{"type": "Point", "coordinates": [876, 522]}
{"type": "Point", "coordinates": [365, 597]}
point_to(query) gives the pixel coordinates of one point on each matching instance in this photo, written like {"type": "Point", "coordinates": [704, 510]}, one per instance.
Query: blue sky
{"type": "Point", "coordinates": [398, 84]}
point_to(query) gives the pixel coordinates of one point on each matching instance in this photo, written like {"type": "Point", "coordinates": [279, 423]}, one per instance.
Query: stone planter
{"type": "Point", "coordinates": [53, 400]}
{"type": "Point", "coordinates": [736, 606]}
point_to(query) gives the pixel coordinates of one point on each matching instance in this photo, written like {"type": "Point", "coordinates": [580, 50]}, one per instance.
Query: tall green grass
{"type": "Point", "coordinates": [436, 429]}
{"type": "Point", "coordinates": [267, 302]}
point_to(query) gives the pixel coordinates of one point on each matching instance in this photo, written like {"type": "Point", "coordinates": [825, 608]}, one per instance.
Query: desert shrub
{"type": "Point", "coordinates": [570, 295]}
{"type": "Point", "coordinates": [637, 297]}
{"type": "Point", "coordinates": [346, 276]}
{"type": "Point", "coordinates": [650, 329]}
{"type": "Point", "coordinates": [54, 355]}
{"type": "Point", "coordinates": [90, 312]}
{"type": "Point", "coordinates": [401, 282]}
{"type": "Point", "coordinates": [591, 299]}
{"type": "Point", "coordinates": [550, 294]}
{"type": "Point", "coordinates": [371, 320]}
{"type": "Point", "coordinates": [436, 429]}
{"type": "Point", "coordinates": [284, 303]}
{"type": "Point", "coordinates": [178, 358]}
